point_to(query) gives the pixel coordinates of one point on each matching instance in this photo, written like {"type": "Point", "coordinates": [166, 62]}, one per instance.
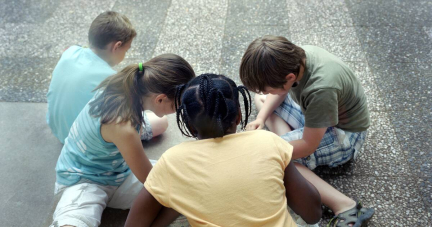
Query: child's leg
{"type": "Point", "coordinates": [274, 123]}
{"type": "Point", "coordinates": [153, 125]}
{"type": "Point", "coordinates": [82, 205]}
{"type": "Point", "coordinates": [289, 114]}
{"type": "Point", "coordinates": [330, 197]}
{"type": "Point", "coordinates": [336, 148]}
{"type": "Point", "coordinates": [125, 194]}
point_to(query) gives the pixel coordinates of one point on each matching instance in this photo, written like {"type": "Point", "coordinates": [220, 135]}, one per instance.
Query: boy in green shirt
{"type": "Point", "coordinates": [314, 101]}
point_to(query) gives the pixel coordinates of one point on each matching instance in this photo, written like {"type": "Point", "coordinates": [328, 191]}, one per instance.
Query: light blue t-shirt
{"type": "Point", "coordinates": [87, 156]}
{"type": "Point", "coordinates": [76, 75]}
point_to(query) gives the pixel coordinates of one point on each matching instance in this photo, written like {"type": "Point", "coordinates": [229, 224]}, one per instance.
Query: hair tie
{"type": "Point", "coordinates": [140, 66]}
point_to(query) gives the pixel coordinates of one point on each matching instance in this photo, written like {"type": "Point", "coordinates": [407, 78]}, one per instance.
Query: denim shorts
{"type": "Point", "coordinates": [337, 146]}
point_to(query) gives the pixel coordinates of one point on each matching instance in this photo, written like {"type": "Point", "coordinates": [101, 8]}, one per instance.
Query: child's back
{"type": "Point", "coordinates": [330, 93]}
{"type": "Point", "coordinates": [86, 155]}
{"type": "Point", "coordinates": [78, 72]}
{"type": "Point", "coordinates": [235, 180]}
{"type": "Point", "coordinates": [81, 70]}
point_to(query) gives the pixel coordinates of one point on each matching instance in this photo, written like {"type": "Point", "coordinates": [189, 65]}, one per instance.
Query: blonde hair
{"type": "Point", "coordinates": [119, 98]}
{"type": "Point", "coordinates": [110, 27]}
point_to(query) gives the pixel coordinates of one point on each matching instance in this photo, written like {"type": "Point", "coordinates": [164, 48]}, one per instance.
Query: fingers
{"type": "Point", "coordinates": [251, 127]}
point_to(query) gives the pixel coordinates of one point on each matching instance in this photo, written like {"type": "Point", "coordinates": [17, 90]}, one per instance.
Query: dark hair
{"type": "Point", "coordinates": [120, 97]}
{"type": "Point", "coordinates": [268, 60]}
{"type": "Point", "coordinates": [110, 27]}
{"type": "Point", "coordinates": [209, 104]}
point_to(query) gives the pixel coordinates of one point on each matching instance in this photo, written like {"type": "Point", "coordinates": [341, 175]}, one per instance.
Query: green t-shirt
{"type": "Point", "coordinates": [329, 93]}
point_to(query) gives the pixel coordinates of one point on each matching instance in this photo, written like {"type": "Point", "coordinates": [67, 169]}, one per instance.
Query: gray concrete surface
{"type": "Point", "coordinates": [388, 43]}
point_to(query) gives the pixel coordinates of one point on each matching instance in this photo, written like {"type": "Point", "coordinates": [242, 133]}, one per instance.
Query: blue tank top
{"type": "Point", "coordinates": [86, 155]}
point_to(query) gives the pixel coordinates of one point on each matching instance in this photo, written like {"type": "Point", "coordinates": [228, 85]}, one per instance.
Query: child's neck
{"type": "Point", "coordinates": [103, 54]}
{"type": "Point", "coordinates": [301, 72]}
{"type": "Point", "coordinates": [228, 132]}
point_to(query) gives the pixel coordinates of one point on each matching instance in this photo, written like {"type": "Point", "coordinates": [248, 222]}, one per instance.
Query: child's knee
{"type": "Point", "coordinates": [160, 126]}
{"type": "Point", "coordinates": [259, 100]}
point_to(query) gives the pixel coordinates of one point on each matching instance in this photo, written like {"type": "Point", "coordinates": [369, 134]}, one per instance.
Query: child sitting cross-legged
{"type": "Point", "coordinates": [224, 178]}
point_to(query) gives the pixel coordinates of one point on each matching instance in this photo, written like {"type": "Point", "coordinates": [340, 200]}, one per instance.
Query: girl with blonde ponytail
{"type": "Point", "coordinates": [103, 162]}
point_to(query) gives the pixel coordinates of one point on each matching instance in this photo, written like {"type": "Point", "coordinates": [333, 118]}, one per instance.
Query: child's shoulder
{"type": "Point", "coordinates": [72, 49]}
{"type": "Point", "coordinates": [258, 136]}
{"type": "Point", "coordinates": [261, 133]}
{"type": "Point", "coordinates": [319, 56]}
{"type": "Point", "coordinates": [71, 53]}
{"type": "Point", "coordinates": [313, 49]}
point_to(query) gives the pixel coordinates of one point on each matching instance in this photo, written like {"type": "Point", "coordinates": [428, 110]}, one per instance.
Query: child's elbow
{"type": "Point", "coordinates": [314, 215]}
{"type": "Point", "coordinates": [315, 211]}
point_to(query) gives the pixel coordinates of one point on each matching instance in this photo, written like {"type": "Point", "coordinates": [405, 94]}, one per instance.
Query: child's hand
{"type": "Point", "coordinates": [254, 125]}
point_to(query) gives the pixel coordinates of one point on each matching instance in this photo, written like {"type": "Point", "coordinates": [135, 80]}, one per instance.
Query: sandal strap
{"type": "Point", "coordinates": [347, 217]}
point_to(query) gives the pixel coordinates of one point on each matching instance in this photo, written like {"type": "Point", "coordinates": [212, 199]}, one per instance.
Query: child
{"type": "Point", "coordinates": [316, 103]}
{"type": "Point", "coordinates": [80, 70]}
{"type": "Point", "coordinates": [224, 178]}
{"type": "Point", "coordinates": [104, 146]}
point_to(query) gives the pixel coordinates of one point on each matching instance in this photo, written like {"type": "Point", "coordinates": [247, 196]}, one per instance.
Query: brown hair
{"type": "Point", "coordinates": [120, 95]}
{"type": "Point", "coordinates": [110, 27]}
{"type": "Point", "coordinates": [268, 60]}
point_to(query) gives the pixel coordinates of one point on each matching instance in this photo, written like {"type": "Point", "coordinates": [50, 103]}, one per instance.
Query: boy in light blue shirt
{"type": "Point", "coordinates": [80, 70]}
{"type": "Point", "coordinates": [77, 73]}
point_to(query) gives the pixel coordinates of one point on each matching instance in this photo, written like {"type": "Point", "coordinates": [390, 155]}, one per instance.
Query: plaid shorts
{"type": "Point", "coordinates": [337, 146]}
{"type": "Point", "coordinates": [146, 131]}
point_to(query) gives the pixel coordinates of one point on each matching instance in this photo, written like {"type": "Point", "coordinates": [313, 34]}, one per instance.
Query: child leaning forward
{"type": "Point", "coordinates": [103, 162]}
{"type": "Point", "coordinates": [224, 178]}
{"type": "Point", "coordinates": [316, 103]}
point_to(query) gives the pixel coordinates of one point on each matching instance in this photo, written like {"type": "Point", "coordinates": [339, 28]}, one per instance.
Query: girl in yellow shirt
{"type": "Point", "coordinates": [224, 178]}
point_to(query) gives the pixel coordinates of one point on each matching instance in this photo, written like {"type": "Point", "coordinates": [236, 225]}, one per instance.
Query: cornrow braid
{"type": "Point", "coordinates": [181, 113]}
{"type": "Point", "coordinates": [209, 105]}
{"type": "Point", "coordinates": [216, 116]}
{"type": "Point", "coordinates": [246, 101]}
{"type": "Point", "coordinates": [179, 90]}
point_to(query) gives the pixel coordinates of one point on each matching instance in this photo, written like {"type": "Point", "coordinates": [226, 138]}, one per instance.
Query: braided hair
{"type": "Point", "coordinates": [209, 105]}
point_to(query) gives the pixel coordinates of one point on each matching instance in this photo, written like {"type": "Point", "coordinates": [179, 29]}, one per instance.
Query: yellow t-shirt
{"type": "Point", "coordinates": [236, 180]}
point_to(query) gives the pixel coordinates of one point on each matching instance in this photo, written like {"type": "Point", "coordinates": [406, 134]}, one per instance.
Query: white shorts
{"type": "Point", "coordinates": [82, 204]}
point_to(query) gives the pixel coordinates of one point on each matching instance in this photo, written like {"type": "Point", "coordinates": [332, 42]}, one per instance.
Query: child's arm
{"type": "Point", "coordinates": [128, 141]}
{"type": "Point", "coordinates": [302, 197]}
{"type": "Point", "coordinates": [321, 112]}
{"type": "Point", "coordinates": [309, 143]}
{"type": "Point", "coordinates": [147, 211]}
{"type": "Point", "coordinates": [270, 104]}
